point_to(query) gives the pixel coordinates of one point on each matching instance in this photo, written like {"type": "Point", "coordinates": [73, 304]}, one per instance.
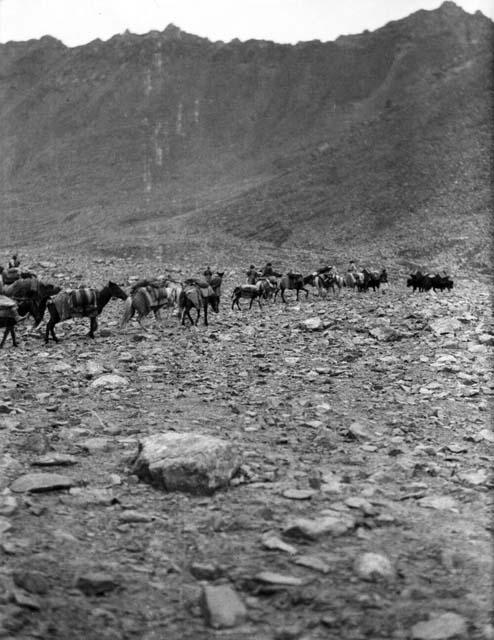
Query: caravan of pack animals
{"type": "Point", "coordinates": [23, 294]}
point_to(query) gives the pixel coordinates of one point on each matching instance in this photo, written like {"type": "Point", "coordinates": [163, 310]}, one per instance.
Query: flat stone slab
{"type": "Point", "coordinates": [38, 482]}
{"type": "Point", "coordinates": [187, 462]}
{"type": "Point", "coordinates": [314, 528]}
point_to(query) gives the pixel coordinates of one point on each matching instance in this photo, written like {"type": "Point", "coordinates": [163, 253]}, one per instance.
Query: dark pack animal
{"type": "Point", "coordinates": [31, 289]}
{"type": "Point", "coordinates": [294, 281]}
{"type": "Point", "coordinates": [373, 279]}
{"type": "Point", "coordinates": [199, 295]}
{"type": "Point", "coordinates": [442, 282]}
{"type": "Point", "coordinates": [427, 281]}
{"type": "Point", "coordinates": [8, 316]}
{"type": "Point", "coordinates": [85, 303]}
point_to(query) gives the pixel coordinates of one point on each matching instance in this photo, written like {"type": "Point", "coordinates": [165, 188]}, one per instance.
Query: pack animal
{"type": "Point", "coordinates": [294, 281]}
{"type": "Point", "coordinates": [86, 303]}
{"type": "Point", "coordinates": [374, 279]}
{"type": "Point", "coordinates": [150, 296]}
{"type": "Point", "coordinates": [200, 296]}
{"type": "Point", "coordinates": [252, 292]}
{"type": "Point", "coordinates": [8, 320]}
{"type": "Point", "coordinates": [32, 289]}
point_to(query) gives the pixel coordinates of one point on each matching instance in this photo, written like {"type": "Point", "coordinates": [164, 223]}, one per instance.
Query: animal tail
{"type": "Point", "coordinates": [128, 312]}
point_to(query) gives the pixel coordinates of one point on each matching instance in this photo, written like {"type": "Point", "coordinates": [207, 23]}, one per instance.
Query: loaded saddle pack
{"type": "Point", "coordinates": [8, 308]}
{"type": "Point", "coordinates": [83, 301]}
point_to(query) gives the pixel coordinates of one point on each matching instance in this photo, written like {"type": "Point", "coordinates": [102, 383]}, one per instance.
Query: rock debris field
{"type": "Point", "coordinates": [313, 470]}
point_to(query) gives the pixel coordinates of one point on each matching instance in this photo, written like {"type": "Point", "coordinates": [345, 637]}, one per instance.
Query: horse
{"type": "Point", "coordinates": [86, 303]}
{"type": "Point", "coordinates": [293, 281]}
{"type": "Point", "coordinates": [255, 291]}
{"type": "Point", "coordinates": [197, 294]}
{"type": "Point", "coordinates": [8, 321]}
{"type": "Point", "coordinates": [32, 289]}
{"type": "Point", "coordinates": [147, 296]}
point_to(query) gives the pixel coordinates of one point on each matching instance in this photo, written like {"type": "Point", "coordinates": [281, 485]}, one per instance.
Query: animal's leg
{"type": "Point", "coordinates": [251, 303]}
{"type": "Point", "coordinates": [306, 292]}
{"type": "Point", "coordinates": [93, 326]}
{"type": "Point", "coordinates": [205, 315]}
{"type": "Point", "coordinates": [12, 333]}
{"type": "Point", "coordinates": [259, 302]}
{"type": "Point", "coordinates": [140, 318]}
{"type": "Point", "coordinates": [50, 331]}
{"type": "Point", "coordinates": [5, 333]}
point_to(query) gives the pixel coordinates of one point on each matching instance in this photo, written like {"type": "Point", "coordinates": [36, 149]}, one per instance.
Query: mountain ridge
{"type": "Point", "coordinates": [152, 127]}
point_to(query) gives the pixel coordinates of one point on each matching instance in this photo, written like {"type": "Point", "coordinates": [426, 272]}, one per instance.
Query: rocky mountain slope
{"type": "Point", "coordinates": [383, 136]}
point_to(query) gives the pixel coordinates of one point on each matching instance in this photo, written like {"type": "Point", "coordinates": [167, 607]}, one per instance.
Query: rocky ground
{"type": "Point", "coordinates": [362, 505]}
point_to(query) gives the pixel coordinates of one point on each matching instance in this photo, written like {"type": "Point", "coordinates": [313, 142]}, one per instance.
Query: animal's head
{"type": "Point", "coordinates": [409, 282]}
{"type": "Point", "coordinates": [215, 283]}
{"type": "Point", "coordinates": [117, 291]}
{"type": "Point", "coordinates": [47, 290]}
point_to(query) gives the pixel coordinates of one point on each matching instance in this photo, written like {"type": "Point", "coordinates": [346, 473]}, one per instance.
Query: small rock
{"type": "Point", "coordinates": [438, 502]}
{"type": "Point", "coordinates": [37, 482]}
{"type": "Point", "coordinates": [110, 380]}
{"type": "Point", "coordinates": [96, 583]}
{"type": "Point", "coordinates": [135, 516]}
{"type": "Point", "coordinates": [5, 525]}
{"type": "Point", "coordinates": [54, 459]}
{"type": "Point", "coordinates": [312, 562]}
{"type": "Point", "coordinates": [274, 543]}
{"type": "Point", "coordinates": [360, 431]}
{"type": "Point", "coordinates": [269, 577]}
{"type": "Point", "coordinates": [222, 607]}
{"type": "Point", "coordinates": [447, 625]}
{"type": "Point", "coordinates": [31, 581]}
{"type": "Point", "coordinates": [312, 529]}
{"type": "Point", "coordinates": [8, 505]}
{"type": "Point", "coordinates": [93, 445]}
{"type": "Point", "coordinates": [475, 478]}
{"type": "Point", "coordinates": [312, 324]}
{"type": "Point", "coordinates": [186, 462]}
{"type": "Point", "coordinates": [371, 566]}
{"type": "Point", "coordinates": [445, 325]}
{"type": "Point", "coordinates": [205, 571]}
{"type": "Point", "coordinates": [299, 494]}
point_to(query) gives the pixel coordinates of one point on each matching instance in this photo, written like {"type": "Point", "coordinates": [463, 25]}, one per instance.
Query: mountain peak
{"type": "Point", "coordinates": [172, 32]}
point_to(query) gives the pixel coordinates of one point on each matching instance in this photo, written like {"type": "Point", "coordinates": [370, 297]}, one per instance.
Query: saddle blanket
{"type": "Point", "coordinates": [147, 298]}
{"type": "Point", "coordinates": [77, 302]}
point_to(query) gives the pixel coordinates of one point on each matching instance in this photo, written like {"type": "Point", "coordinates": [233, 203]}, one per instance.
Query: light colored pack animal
{"type": "Point", "coordinates": [151, 297]}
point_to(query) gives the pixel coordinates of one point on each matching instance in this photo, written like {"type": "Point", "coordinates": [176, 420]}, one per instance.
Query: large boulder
{"type": "Point", "coordinates": [188, 462]}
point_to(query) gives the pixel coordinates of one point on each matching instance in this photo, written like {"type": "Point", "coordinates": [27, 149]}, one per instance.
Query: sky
{"type": "Point", "coordinates": [77, 22]}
